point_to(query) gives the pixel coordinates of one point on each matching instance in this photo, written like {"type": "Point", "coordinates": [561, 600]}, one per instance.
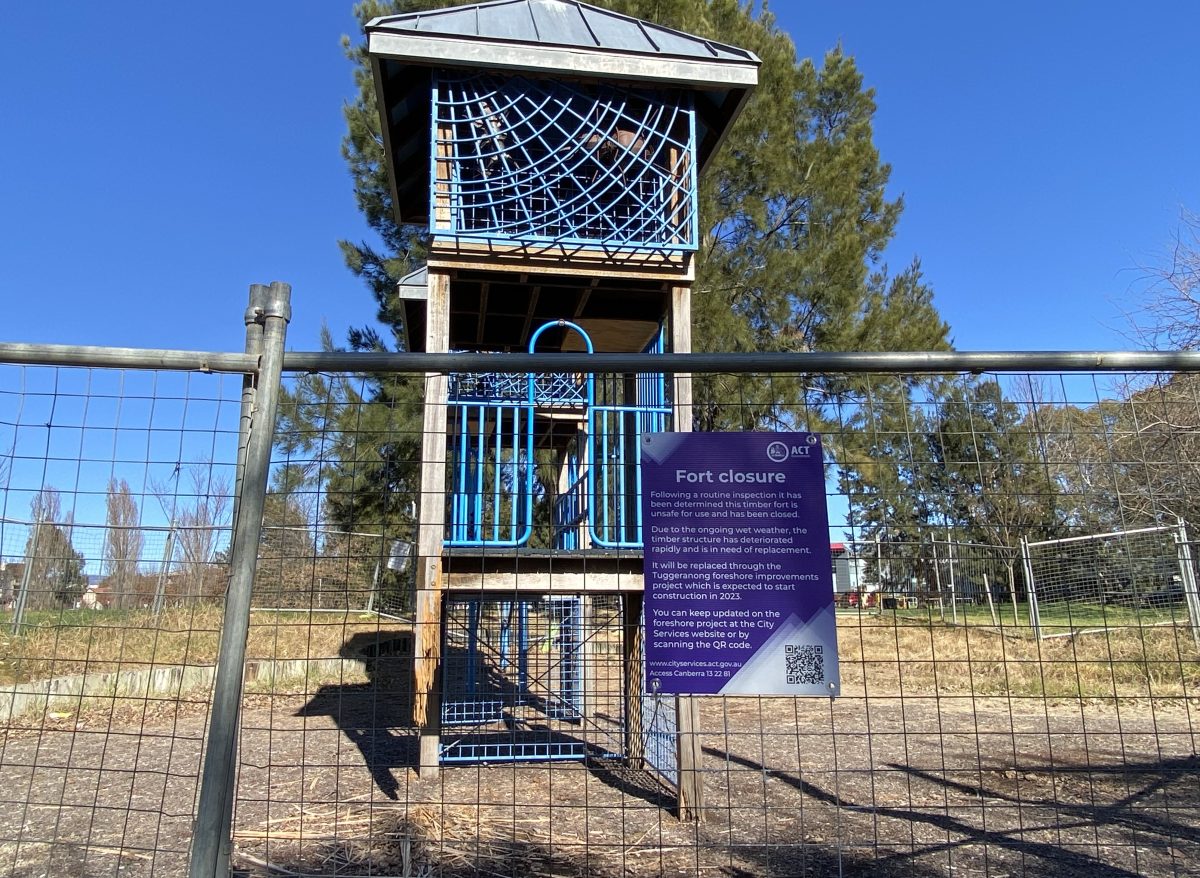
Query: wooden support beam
{"type": "Point", "coordinates": [680, 327]}
{"type": "Point", "coordinates": [553, 259]}
{"type": "Point", "coordinates": [689, 753]}
{"type": "Point", "coordinates": [585, 295]}
{"type": "Point", "coordinates": [587, 658]}
{"type": "Point", "coordinates": [485, 288]}
{"type": "Point", "coordinates": [441, 183]}
{"type": "Point", "coordinates": [427, 702]}
{"type": "Point", "coordinates": [535, 293]}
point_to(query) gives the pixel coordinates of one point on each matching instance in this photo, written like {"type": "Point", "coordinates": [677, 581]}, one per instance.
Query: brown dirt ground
{"type": "Point", "coordinates": [914, 786]}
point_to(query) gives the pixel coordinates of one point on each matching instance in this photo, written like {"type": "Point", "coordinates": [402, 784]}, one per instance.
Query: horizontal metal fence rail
{"type": "Point", "coordinates": [917, 362]}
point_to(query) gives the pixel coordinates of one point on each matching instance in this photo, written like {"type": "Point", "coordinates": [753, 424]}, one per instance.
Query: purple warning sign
{"type": "Point", "coordinates": [739, 582]}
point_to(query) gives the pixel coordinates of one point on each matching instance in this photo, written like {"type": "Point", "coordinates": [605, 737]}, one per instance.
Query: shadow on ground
{"type": "Point", "coordinates": [1132, 801]}
{"type": "Point", "coordinates": [375, 716]}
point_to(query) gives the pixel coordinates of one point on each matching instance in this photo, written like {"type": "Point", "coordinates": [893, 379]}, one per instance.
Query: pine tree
{"type": "Point", "coordinates": [795, 220]}
{"type": "Point", "coordinates": [794, 206]}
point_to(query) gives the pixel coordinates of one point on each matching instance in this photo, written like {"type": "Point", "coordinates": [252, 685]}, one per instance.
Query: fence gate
{"type": "Point", "coordinates": [952, 749]}
{"type": "Point", "coordinates": [1091, 583]}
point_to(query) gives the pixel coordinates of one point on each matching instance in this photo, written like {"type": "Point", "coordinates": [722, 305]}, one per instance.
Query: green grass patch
{"type": "Point", "coordinates": [1055, 618]}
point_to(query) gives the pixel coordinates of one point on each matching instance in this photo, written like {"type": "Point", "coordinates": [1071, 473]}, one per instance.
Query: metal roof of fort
{"type": "Point", "coordinates": [561, 35]}
{"type": "Point", "coordinates": [539, 39]}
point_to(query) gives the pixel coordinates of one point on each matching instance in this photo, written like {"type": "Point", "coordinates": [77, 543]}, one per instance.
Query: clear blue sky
{"type": "Point", "coordinates": [155, 160]}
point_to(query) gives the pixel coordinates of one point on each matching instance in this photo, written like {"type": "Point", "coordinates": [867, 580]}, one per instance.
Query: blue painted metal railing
{"type": "Point", "coordinates": [526, 161]}
{"type": "Point", "coordinates": [571, 507]}
{"type": "Point", "coordinates": [491, 457]}
{"type": "Point", "coordinates": [615, 473]}
{"type": "Point", "coordinates": [493, 420]}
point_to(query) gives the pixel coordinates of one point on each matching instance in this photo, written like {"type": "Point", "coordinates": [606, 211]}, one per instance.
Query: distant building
{"type": "Point", "coordinates": [847, 573]}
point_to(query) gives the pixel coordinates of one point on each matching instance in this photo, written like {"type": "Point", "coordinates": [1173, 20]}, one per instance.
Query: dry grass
{"type": "Point", "coordinates": [109, 641]}
{"type": "Point", "coordinates": [415, 840]}
{"type": "Point", "coordinates": [881, 656]}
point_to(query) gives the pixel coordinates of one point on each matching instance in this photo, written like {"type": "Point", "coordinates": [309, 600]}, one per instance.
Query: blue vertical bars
{"type": "Point", "coordinates": [631, 410]}
{"type": "Point", "coordinates": [491, 449]}
{"type": "Point", "coordinates": [497, 422]}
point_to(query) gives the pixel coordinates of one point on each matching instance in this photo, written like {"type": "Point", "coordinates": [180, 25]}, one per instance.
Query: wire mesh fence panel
{"type": "Point", "coordinates": [115, 496]}
{"type": "Point", "coordinates": [319, 568]}
{"type": "Point", "coordinates": [949, 581]}
{"type": "Point", "coordinates": [960, 744]}
{"type": "Point", "coordinates": [1088, 584]}
{"type": "Point", "coordinates": [524, 679]}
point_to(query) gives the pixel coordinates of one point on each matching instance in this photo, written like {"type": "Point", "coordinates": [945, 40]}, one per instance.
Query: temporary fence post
{"type": "Point", "coordinates": [1012, 593]}
{"type": "Point", "coordinates": [1187, 573]}
{"type": "Point", "coordinates": [987, 589]}
{"type": "Point", "coordinates": [1035, 618]}
{"type": "Point", "coordinates": [254, 346]}
{"type": "Point", "coordinates": [937, 577]}
{"type": "Point", "coordinates": [953, 589]}
{"type": "Point", "coordinates": [160, 589]}
{"type": "Point", "coordinates": [371, 595]}
{"type": "Point", "coordinates": [210, 844]}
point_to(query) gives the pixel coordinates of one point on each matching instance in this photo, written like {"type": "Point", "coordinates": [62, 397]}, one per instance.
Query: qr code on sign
{"type": "Point", "coordinates": [805, 664]}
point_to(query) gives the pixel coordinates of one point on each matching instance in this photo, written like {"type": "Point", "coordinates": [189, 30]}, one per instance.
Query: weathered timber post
{"type": "Point", "coordinates": [689, 752]}
{"type": "Point", "coordinates": [431, 526]}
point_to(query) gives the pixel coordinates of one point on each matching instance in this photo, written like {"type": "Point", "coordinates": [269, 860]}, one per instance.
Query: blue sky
{"type": "Point", "coordinates": [157, 160]}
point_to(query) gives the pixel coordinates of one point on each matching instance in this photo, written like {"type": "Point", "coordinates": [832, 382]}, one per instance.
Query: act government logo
{"type": "Point", "coordinates": [777, 452]}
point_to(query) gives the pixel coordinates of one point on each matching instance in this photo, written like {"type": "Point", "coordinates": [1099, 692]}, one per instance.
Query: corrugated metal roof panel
{"type": "Point", "coordinates": [566, 23]}
{"type": "Point", "coordinates": [559, 23]}
{"type": "Point", "coordinates": [505, 22]}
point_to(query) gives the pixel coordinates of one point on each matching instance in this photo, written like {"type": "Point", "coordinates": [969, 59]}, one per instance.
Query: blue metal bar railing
{"type": "Point", "coordinates": [499, 691]}
{"type": "Point", "coordinates": [615, 477]}
{"type": "Point", "coordinates": [491, 503]}
{"type": "Point", "coordinates": [571, 507]}
{"type": "Point", "coordinates": [615, 431]}
{"type": "Point", "coordinates": [493, 441]}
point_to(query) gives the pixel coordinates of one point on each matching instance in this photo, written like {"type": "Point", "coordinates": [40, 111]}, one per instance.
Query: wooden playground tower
{"type": "Point", "coordinates": [552, 150]}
